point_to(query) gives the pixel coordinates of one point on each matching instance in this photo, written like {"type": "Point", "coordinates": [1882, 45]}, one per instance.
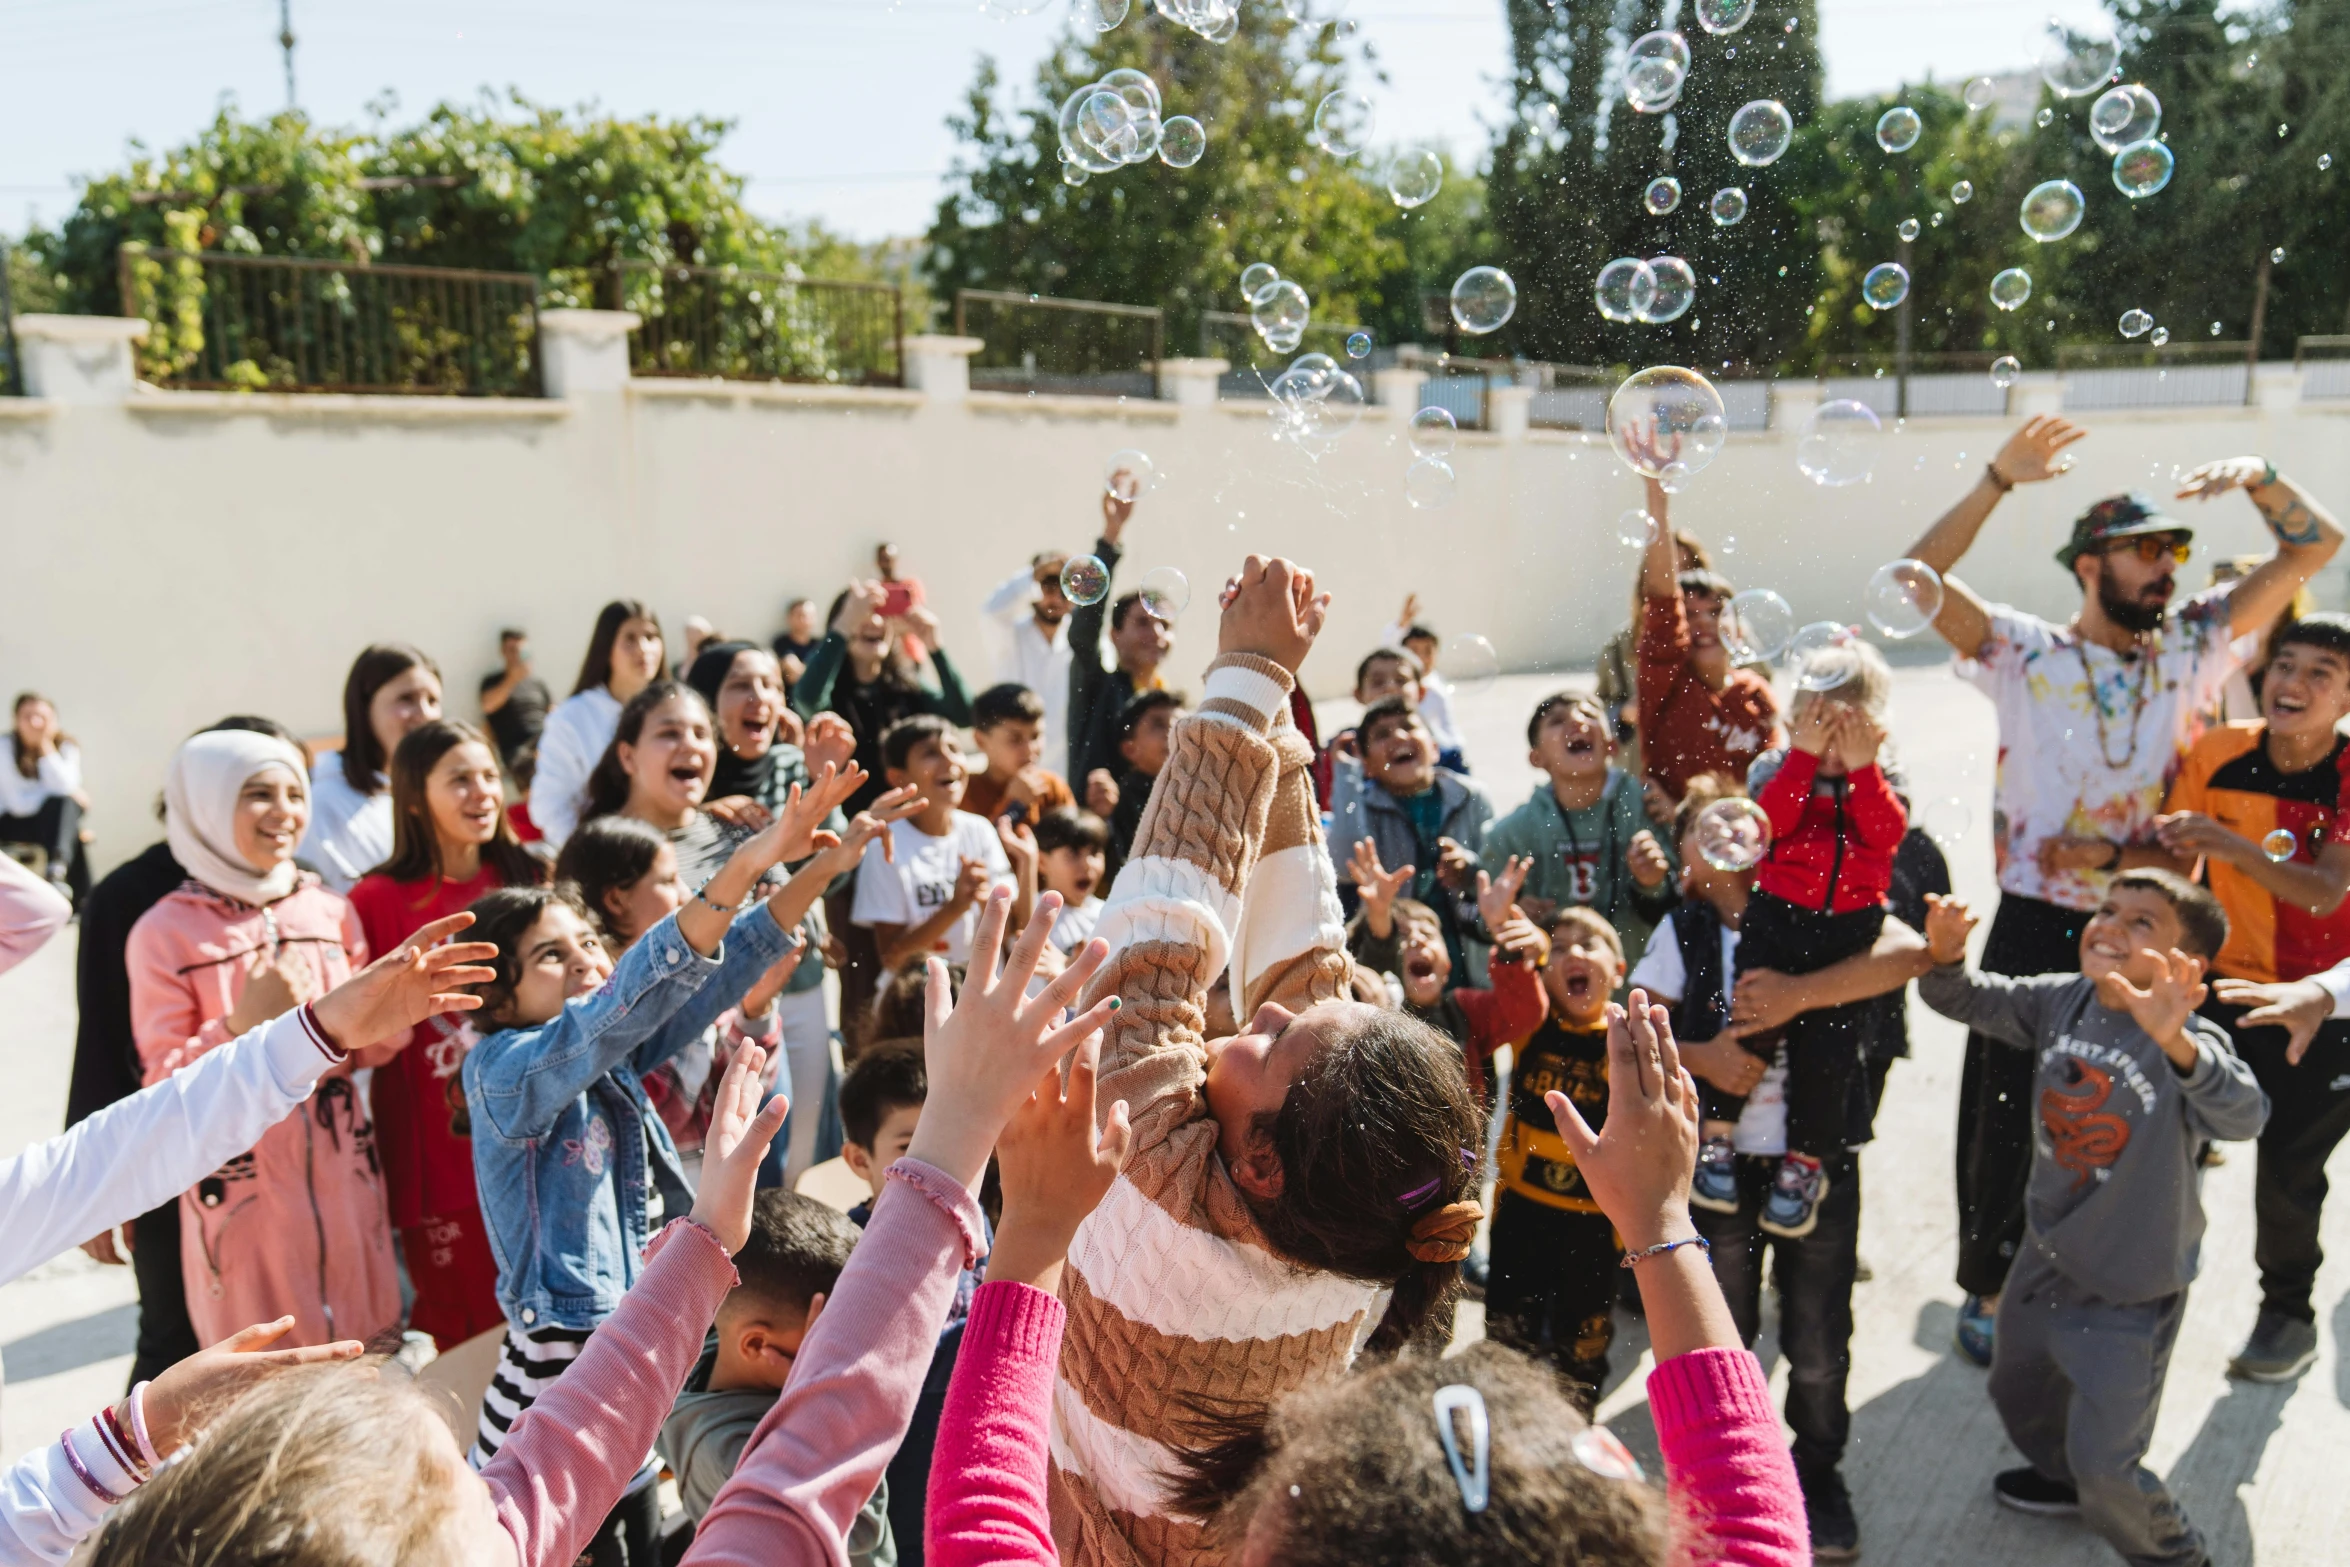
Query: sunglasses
{"type": "Point", "coordinates": [2152, 547]}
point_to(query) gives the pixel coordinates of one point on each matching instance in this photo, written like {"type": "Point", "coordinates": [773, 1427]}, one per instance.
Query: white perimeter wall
{"type": "Point", "coordinates": [178, 556]}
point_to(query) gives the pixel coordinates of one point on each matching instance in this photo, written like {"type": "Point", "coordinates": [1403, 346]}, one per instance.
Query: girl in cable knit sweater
{"type": "Point", "coordinates": [1296, 1193]}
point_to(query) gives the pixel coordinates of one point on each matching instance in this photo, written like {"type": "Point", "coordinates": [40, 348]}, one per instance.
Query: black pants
{"type": "Point", "coordinates": [166, 1336]}
{"type": "Point", "coordinates": [55, 829]}
{"type": "Point", "coordinates": [2308, 1113]}
{"type": "Point", "coordinates": [1551, 1291]}
{"type": "Point", "coordinates": [630, 1535]}
{"type": "Point", "coordinates": [2028, 936]}
{"type": "Point", "coordinates": [1814, 1276]}
{"type": "Point", "coordinates": [1824, 1045]}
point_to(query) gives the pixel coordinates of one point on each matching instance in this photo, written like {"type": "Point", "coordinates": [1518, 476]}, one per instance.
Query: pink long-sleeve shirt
{"type": "Point", "coordinates": [1736, 1501]}
{"type": "Point", "coordinates": [815, 1459]}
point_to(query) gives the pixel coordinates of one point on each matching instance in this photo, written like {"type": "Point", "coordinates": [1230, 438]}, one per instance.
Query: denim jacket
{"type": "Point", "coordinates": [567, 1151]}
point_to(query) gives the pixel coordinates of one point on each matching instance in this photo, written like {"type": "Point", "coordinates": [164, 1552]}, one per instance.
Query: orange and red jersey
{"type": "Point", "coordinates": [2229, 777]}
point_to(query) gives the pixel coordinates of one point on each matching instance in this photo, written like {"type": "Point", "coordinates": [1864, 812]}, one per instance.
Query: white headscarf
{"type": "Point", "coordinates": [200, 807]}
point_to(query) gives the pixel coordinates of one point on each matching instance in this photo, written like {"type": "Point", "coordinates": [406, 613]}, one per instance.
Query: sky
{"type": "Point", "coordinates": [840, 105]}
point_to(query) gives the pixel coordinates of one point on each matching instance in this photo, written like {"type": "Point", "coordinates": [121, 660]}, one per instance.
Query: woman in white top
{"type": "Point", "coordinates": [41, 799]}
{"type": "Point", "coordinates": [392, 688]}
{"type": "Point", "coordinates": [623, 657]}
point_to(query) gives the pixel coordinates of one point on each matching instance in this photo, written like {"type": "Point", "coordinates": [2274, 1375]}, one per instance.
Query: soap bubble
{"type": "Point", "coordinates": [1136, 87]}
{"type": "Point", "coordinates": [1358, 345]}
{"type": "Point", "coordinates": [1542, 118]}
{"type": "Point", "coordinates": [1980, 92]}
{"type": "Point", "coordinates": [1757, 625]}
{"type": "Point", "coordinates": [1429, 483]}
{"type": "Point", "coordinates": [2160, 337]}
{"type": "Point", "coordinates": [2045, 118]}
{"type": "Point", "coordinates": [1315, 402]}
{"type": "Point", "coordinates": [2076, 61]}
{"type": "Point", "coordinates": [1724, 16]}
{"type": "Point", "coordinates": [1103, 14]}
{"type": "Point", "coordinates": [1654, 68]}
{"type": "Point", "coordinates": [2122, 115]}
{"type": "Point", "coordinates": [2052, 209]}
{"type": "Point", "coordinates": [1223, 26]}
{"type": "Point", "coordinates": [1166, 592]}
{"type": "Point", "coordinates": [1666, 414]}
{"type": "Point", "coordinates": [2280, 845]}
{"type": "Point", "coordinates": [1433, 432]}
{"type": "Point", "coordinates": [1662, 196]}
{"type": "Point", "coordinates": [1907, 228]}
{"type": "Point", "coordinates": [2010, 288]}
{"type": "Point", "coordinates": [2215, 329]}
{"type": "Point", "coordinates": [2004, 370]}
{"type": "Point", "coordinates": [1903, 598]}
{"type": "Point", "coordinates": [1962, 192]}
{"type": "Point", "coordinates": [1415, 177]}
{"type": "Point", "coordinates": [1148, 134]}
{"type": "Point", "coordinates": [2277, 255]}
{"type": "Point", "coordinates": [1732, 834]}
{"type": "Point", "coordinates": [1728, 206]}
{"type": "Point", "coordinates": [1760, 131]}
{"type": "Point", "coordinates": [1280, 312]}
{"type": "Point", "coordinates": [1625, 290]}
{"type": "Point", "coordinates": [1182, 142]}
{"type": "Point", "coordinates": [1946, 820]}
{"type": "Point", "coordinates": [1469, 662]}
{"type": "Point", "coordinates": [1676, 289]}
{"type": "Point", "coordinates": [1482, 299]}
{"type": "Point", "coordinates": [1635, 529]}
{"type": "Point", "coordinates": [1085, 580]}
{"type": "Point", "coordinates": [1255, 278]}
{"type": "Point", "coordinates": [1898, 128]}
{"type": "Point", "coordinates": [2136, 323]}
{"type": "Point", "coordinates": [2142, 168]}
{"type": "Point", "coordinates": [1811, 673]}
{"type": "Point", "coordinates": [1886, 285]}
{"type": "Point", "coordinates": [1106, 126]}
{"type": "Point", "coordinates": [1839, 444]}
{"type": "Point", "coordinates": [1128, 473]}
{"type": "Point", "coordinates": [1073, 176]}
{"type": "Point", "coordinates": [2325, 161]}
{"type": "Point", "coordinates": [1342, 123]}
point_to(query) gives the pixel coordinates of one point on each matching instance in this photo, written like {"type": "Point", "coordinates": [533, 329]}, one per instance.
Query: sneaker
{"type": "Point", "coordinates": [2027, 1490]}
{"type": "Point", "coordinates": [1715, 1186]}
{"type": "Point", "coordinates": [2279, 1349]}
{"type": "Point", "coordinates": [1827, 1507]}
{"type": "Point", "coordinates": [1977, 1331]}
{"type": "Point", "coordinates": [1793, 1208]}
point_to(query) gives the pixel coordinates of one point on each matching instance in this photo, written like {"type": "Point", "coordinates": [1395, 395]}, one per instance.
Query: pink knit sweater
{"type": "Point", "coordinates": [1733, 1484]}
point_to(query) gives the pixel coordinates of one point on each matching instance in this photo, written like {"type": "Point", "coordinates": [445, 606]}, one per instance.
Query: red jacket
{"type": "Point", "coordinates": [1687, 727]}
{"type": "Point", "coordinates": [1831, 850]}
{"type": "Point", "coordinates": [1505, 1015]}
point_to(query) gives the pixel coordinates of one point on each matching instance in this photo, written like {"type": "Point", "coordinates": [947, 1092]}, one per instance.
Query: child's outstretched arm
{"type": "Point", "coordinates": [2011, 1011]}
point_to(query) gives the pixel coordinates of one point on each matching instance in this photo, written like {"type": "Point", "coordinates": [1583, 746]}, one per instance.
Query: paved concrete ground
{"type": "Point", "coordinates": [2254, 1465]}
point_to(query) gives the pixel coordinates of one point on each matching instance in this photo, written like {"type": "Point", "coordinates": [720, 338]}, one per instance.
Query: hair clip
{"type": "Point", "coordinates": [1476, 1478]}
{"type": "Point", "coordinates": [1596, 1448]}
{"type": "Point", "coordinates": [1420, 1194]}
{"type": "Point", "coordinates": [1468, 1158]}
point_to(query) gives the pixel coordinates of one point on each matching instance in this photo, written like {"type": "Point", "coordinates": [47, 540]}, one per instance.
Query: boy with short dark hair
{"type": "Point", "coordinates": [1072, 849]}
{"type": "Point", "coordinates": [1435, 698]}
{"type": "Point", "coordinates": [923, 895]}
{"type": "Point", "coordinates": [2129, 1085]}
{"type": "Point", "coordinates": [1146, 732]}
{"type": "Point", "coordinates": [1008, 723]}
{"type": "Point", "coordinates": [1416, 814]}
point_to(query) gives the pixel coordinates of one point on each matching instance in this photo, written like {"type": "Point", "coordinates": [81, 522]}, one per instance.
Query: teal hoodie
{"type": "Point", "coordinates": [1579, 857]}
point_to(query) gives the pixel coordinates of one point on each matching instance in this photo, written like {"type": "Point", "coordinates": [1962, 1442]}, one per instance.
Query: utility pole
{"type": "Point", "coordinates": [285, 41]}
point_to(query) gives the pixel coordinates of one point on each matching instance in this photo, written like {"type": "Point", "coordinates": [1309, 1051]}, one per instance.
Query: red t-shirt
{"type": "Point", "coordinates": [1687, 727]}
{"type": "Point", "coordinates": [420, 1122]}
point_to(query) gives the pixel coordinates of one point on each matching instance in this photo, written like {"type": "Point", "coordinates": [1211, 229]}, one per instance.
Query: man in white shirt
{"type": "Point", "coordinates": [923, 895]}
{"type": "Point", "coordinates": [1033, 611]}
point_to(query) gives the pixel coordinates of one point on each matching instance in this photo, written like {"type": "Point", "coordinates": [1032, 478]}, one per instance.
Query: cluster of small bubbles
{"type": "Point", "coordinates": [1898, 128]}
{"type": "Point", "coordinates": [2281, 130]}
{"type": "Point", "coordinates": [1903, 598]}
{"type": "Point", "coordinates": [1980, 92]}
{"type": "Point", "coordinates": [1724, 16]}
{"type": "Point", "coordinates": [2076, 61]}
{"type": "Point", "coordinates": [1886, 285]}
{"type": "Point", "coordinates": [1358, 345]}
{"type": "Point", "coordinates": [1433, 432]}
{"type": "Point", "coordinates": [1314, 403]}
{"type": "Point", "coordinates": [2045, 118]}
{"type": "Point", "coordinates": [1732, 834]}
{"type": "Point", "coordinates": [1279, 312]}
{"type": "Point", "coordinates": [1757, 625]}
{"type": "Point", "coordinates": [1654, 68]}
{"type": "Point", "coordinates": [1907, 228]}
{"type": "Point", "coordinates": [1483, 298]}
{"type": "Point", "coordinates": [2142, 168]}
{"type": "Point", "coordinates": [2215, 329]}
{"type": "Point", "coordinates": [2122, 115]}
{"type": "Point", "coordinates": [1085, 580]}
{"type": "Point", "coordinates": [1165, 592]}
{"type": "Point", "coordinates": [1343, 122]}
{"type": "Point", "coordinates": [1839, 443]}
{"type": "Point", "coordinates": [1103, 14]}
{"type": "Point", "coordinates": [1962, 192]}
{"type": "Point", "coordinates": [2277, 256]}
{"type": "Point", "coordinates": [2004, 370]}
{"type": "Point", "coordinates": [1728, 206]}
{"type": "Point", "coordinates": [1666, 417]}
{"type": "Point", "coordinates": [1108, 124]}
{"type": "Point", "coordinates": [1936, 220]}
{"type": "Point", "coordinates": [2161, 336]}
{"type": "Point", "coordinates": [1429, 483]}
{"type": "Point", "coordinates": [1760, 131]}
{"type": "Point", "coordinates": [2011, 288]}
{"type": "Point", "coordinates": [2136, 323]}
{"type": "Point", "coordinates": [1415, 177]}
{"type": "Point", "coordinates": [1128, 473]}
{"type": "Point", "coordinates": [1625, 289]}
{"type": "Point", "coordinates": [1662, 195]}
{"type": "Point", "coordinates": [1676, 289]}
{"type": "Point", "coordinates": [1215, 20]}
{"type": "Point", "coordinates": [2052, 209]}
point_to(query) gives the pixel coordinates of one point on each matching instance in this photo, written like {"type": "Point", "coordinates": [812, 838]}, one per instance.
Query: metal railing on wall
{"type": "Point", "coordinates": [760, 326]}
{"type": "Point", "coordinates": [277, 324]}
{"type": "Point", "coordinates": [2324, 363]}
{"type": "Point", "coordinates": [1084, 347]}
{"type": "Point", "coordinates": [2140, 375]}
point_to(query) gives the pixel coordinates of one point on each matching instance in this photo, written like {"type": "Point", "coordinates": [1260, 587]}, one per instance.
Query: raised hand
{"type": "Point", "coordinates": [830, 743]}
{"type": "Point", "coordinates": [2163, 1007]}
{"type": "Point", "coordinates": [1410, 611]}
{"type": "Point", "coordinates": [2192, 832]}
{"type": "Point", "coordinates": [1056, 1169]}
{"type": "Point", "coordinates": [420, 978]}
{"type": "Point", "coordinates": [1378, 886]}
{"type": "Point", "coordinates": [2033, 452]}
{"type": "Point", "coordinates": [874, 822]}
{"type": "Point", "coordinates": [1520, 938]}
{"type": "Point", "coordinates": [1814, 728]}
{"type": "Point", "coordinates": [180, 1399]}
{"type": "Point", "coordinates": [1456, 867]}
{"type": "Point", "coordinates": [769, 985]}
{"type": "Point", "coordinates": [1948, 924]}
{"type": "Point", "coordinates": [1272, 611]}
{"type": "Point", "coordinates": [2217, 478]}
{"type": "Point", "coordinates": [1101, 793]}
{"type": "Point", "coordinates": [971, 883]}
{"type": "Point", "coordinates": [1646, 859]}
{"type": "Point", "coordinates": [272, 989]}
{"type": "Point", "coordinates": [1638, 1164]}
{"type": "Point", "coordinates": [865, 599]}
{"type": "Point", "coordinates": [731, 1150]}
{"type": "Point", "coordinates": [1497, 896]}
{"type": "Point", "coordinates": [922, 625]}
{"type": "Point", "coordinates": [1118, 504]}
{"type": "Point", "coordinates": [1858, 738]}
{"type": "Point", "coordinates": [2299, 1007]}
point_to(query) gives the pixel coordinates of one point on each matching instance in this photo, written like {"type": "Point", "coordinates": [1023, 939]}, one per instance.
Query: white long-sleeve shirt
{"type": "Point", "coordinates": [128, 1158]}
{"type": "Point", "coordinates": [31, 911]}
{"type": "Point", "coordinates": [569, 747]}
{"type": "Point", "coordinates": [60, 772]}
{"type": "Point", "coordinates": [350, 833]}
{"type": "Point", "coordinates": [1027, 657]}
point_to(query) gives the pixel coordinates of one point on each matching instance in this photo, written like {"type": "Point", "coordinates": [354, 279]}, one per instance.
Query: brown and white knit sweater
{"type": "Point", "coordinates": [1174, 1300]}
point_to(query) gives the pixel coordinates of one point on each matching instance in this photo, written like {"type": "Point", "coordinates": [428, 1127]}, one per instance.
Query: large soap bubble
{"type": "Point", "coordinates": [1625, 289]}
{"type": "Point", "coordinates": [2004, 371]}
{"type": "Point", "coordinates": [1136, 87]}
{"type": "Point", "coordinates": [2141, 168]}
{"type": "Point", "coordinates": [1129, 472]}
{"type": "Point", "coordinates": [2122, 115]}
{"type": "Point", "coordinates": [1429, 483]}
{"type": "Point", "coordinates": [1182, 142]}
{"type": "Point", "coordinates": [1415, 177]}
{"type": "Point", "coordinates": [1662, 196]}
{"type": "Point", "coordinates": [1728, 206]}
{"type": "Point", "coordinates": [1980, 92]}
{"type": "Point", "coordinates": [1676, 289]}
{"type": "Point", "coordinates": [1724, 16]}
{"type": "Point", "coordinates": [1103, 14]}
{"type": "Point", "coordinates": [1343, 122]}
{"type": "Point", "coordinates": [1482, 299]}
{"type": "Point", "coordinates": [2052, 209]}
{"type": "Point", "coordinates": [1315, 402]}
{"type": "Point", "coordinates": [1732, 834]}
{"type": "Point", "coordinates": [2010, 288]}
{"type": "Point", "coordinates": [1085, 580]}
{"type": "Point", "coordinates": [2076, 61]}
{"type": "Point", "coordinates": [1166, 592]}
{"type": "Point", "coordinates": [1433, 432]}
{"type": "Point", "coordinates": [1654, 68]}
{"type": "Point", "coordinates": [1255, 278]}
{"type": "Point", "coordinates": [1903, 597]}
{"type": "Point", "coordinates": [1757, 625]}
{"type": "Point", "coordinates": [1886, 285]}
{"type": "Point", "coordinates": [1469, 662]}
{"type": "Point", "coordinates": [1760, 131]}
{"type": "Point", "coordinates": [1280, 313]}
{"type": "Point", "coordinates": [1666, 416]}
{"type": "Point", "coordinates": [1898, 128]}
{"type": "Point", "coordinates": [1813, 673]}
{"type": "Point", "coordinates": [1839, 444]}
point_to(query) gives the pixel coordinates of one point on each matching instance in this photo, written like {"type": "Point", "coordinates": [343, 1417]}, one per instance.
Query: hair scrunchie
{"type": "Point", "coordinates": [1443, 1234]}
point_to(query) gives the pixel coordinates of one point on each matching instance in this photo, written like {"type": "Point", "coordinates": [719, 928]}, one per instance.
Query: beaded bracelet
{"type": "Point", "coordinates": [1661, 1247]}
{"type": "Point", "coordinates": [703, 898]}
{"type": "Point", "coordinates": [1991, 472]}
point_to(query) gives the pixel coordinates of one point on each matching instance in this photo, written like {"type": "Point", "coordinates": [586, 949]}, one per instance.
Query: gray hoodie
{"type": "Point", "coordinates": [2115, 1200]}
{"type": "Point", "coordinates": [706, 1433]}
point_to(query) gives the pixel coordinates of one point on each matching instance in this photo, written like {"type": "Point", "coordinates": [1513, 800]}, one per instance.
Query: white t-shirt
{"type": "Point", "coordinates": [922, 881]}
{"type": "Point", "coordinates": [1762, 1126]}
{"type": "Point", "coordinates": [2089, 741]}
{"type": "Point", "coordinates": [350, 833]}
{"type": "Point", "coordinates": [1074, 926]}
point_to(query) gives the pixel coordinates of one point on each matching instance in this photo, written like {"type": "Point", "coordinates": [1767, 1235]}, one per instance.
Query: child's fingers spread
{"type": "Point", "coordinates": [1083, 964]}
{"type": "Point", "coordinates": [987, 944]}
{"type": "Point", "coordinates": [260, 1333]}
{"type": "Point", "coordinates": [1060, 1041]}
{"type": "Point", "coordinates": [441, 929]}
{"type": "Point", "coordinates": [937, 997]}
{"type": "Point", "coordinates": [1573, 1130]}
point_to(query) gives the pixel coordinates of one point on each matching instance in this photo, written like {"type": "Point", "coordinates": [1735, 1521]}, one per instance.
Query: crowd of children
{"type": "Point", "coordinates": [1191, 1069]}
